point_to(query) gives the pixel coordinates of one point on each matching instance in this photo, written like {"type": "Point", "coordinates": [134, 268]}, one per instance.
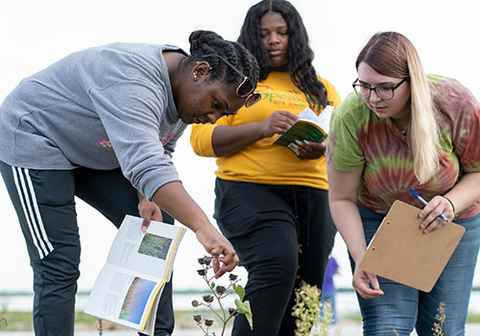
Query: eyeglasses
{"type": "Point", "coordinates": [245, 88]}
{"type": "Point", "coordinates": [382, 92]}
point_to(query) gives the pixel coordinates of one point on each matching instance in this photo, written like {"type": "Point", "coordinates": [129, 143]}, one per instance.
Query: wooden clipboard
{"type": "Point", "coordinates": [401, 252]}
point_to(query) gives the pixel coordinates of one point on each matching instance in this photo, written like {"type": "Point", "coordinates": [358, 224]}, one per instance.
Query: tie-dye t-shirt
{"type": "Point", "coordinates": [359, 138]}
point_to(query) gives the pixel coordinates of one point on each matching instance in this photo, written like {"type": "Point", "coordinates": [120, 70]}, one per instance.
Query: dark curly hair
{"type": "Point", "coordinates": [300, 55]}
{"type": "Point", "coordinates": [204, 42]}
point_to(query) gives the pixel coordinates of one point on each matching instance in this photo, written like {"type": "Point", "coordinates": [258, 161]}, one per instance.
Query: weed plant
{"type": "Point", "coordinates": [218, 293]}
{"type": "Point", "coordinates": [310, 322]}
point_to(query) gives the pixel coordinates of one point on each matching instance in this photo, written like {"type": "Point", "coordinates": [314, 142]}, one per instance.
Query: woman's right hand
{"type": "Point", "coordinates": [366, 284]}
{"type": "Point", "coordinates": [224, 256]}
{"type": "Point", "coordinates": [277, 123]}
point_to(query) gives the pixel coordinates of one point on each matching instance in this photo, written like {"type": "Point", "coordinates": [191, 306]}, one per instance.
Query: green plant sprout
{"type": "Point", "coordinates": [440, 317]}
{"type": "Point", "coordinates": [310, 323]}
{"type": "Point", "coordinates": [219, 293]}
{"type": "Point", "coordinates": [437, 326]}
{"type": "Point", "coordinates": [324, 323]}
{"type": "Point", "coordinates": [306, 309]}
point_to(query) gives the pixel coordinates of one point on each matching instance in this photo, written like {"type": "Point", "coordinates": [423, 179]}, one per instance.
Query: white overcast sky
{"type": "Point", "coordinates": [34, 34]}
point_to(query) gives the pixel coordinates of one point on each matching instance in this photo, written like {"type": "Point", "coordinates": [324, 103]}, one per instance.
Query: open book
{"type": "Point", "coordinates": [401, 252]}
{"type": "Point", "coordinates": [309, 127]}
{"type": "Point", "coordinates": [129, 286]}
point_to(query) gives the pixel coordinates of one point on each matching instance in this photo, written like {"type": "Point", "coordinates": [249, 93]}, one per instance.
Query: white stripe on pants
{"type": "Point", "coordinates": [26, 193]}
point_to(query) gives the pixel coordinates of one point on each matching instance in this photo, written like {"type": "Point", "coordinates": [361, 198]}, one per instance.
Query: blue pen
{"type": "Point", "coordinates": [425, 202]}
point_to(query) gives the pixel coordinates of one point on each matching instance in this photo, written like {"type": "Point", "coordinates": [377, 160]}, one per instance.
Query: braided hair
{"type": "Point", "coordinates": [204, 42]}
{"type": "Point", "coordinates": [300, 55]}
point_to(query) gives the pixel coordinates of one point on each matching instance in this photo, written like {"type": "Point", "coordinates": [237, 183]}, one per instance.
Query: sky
{"type": "Point", "coordinates": [34, 34]}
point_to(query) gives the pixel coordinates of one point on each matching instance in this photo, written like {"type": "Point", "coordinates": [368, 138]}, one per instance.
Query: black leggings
{"type": "Point", "coordinates": [279, 232]}
{"type": "Point", "coordinates": [45, 205]}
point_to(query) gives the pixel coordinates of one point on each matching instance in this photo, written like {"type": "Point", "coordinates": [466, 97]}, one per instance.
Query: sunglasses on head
{"type": "Point", "coordinates": [245, 88]}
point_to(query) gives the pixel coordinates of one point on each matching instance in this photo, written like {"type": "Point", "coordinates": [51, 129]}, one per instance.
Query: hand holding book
{"type": "Point", "coordinates": [278, 122]}
{"type": "Point", "coordinates": [130, 284]}
{"type": "Point", "coordinates": [310, 150]}
{"type": "Point", "coordinates": [309, 129]}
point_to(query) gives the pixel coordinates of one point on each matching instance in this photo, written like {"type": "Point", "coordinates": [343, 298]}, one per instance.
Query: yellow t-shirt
{"type": "Point", "coordinates": [263, 162]}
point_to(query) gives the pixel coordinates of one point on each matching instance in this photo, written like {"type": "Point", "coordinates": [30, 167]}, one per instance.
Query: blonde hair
{"type": "Point", "coordinates": [392, 54]}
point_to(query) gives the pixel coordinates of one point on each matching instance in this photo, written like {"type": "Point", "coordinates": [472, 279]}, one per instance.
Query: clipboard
{"type": "Point", "coordinates": [401, 252]}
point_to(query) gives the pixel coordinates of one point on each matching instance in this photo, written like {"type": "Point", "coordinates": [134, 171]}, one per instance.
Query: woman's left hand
{"type": "Point", "coordinates": [312, 150]}
{"type": "Point", "coordinates": [437, 206]}
{"type": "Point", "coordinates": [148, 211]}
{"type": "Point", "coordinates": [366, 284]}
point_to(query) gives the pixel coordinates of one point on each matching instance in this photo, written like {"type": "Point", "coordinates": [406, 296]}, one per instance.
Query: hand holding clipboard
{"type": "Point", "coordinates": [401, 252]}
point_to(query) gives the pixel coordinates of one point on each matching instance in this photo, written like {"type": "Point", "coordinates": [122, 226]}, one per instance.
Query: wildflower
{"type": "Point", "coordinates": [219, 293]}
{"type": "Point", "coordinates": [440, 318]}
{"type": "Point", "coordinates": [306, 309]}
{"type": "Point", "coordinates": [220, 290]}
{"type": "Point", "coordinates": [208, 298]}
{"type": "Point", "coordinates": [206, 260]}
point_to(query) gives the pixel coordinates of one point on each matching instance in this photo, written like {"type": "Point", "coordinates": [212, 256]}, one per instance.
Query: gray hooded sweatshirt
{"type": "Point", "coordinates": [101, 108]}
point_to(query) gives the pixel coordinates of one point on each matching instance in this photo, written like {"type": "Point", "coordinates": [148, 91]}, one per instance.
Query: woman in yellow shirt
{"type": "Point", "coordinates": [271, 204]}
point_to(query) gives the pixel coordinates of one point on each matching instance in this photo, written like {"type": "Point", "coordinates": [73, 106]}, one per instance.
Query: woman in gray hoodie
{"type": "Point", "coordinates": [102, 124]}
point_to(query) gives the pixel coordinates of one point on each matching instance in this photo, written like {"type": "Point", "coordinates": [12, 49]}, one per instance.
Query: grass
{"type": "Point", "coordinates": [22, 321]}
{"type": "Point", "coordinates": [473, 318]}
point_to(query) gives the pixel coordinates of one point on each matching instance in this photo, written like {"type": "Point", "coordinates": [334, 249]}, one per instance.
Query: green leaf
{"type": "Point", "coordinates": [244, 308]}
{"type": "Point", "coordinates": [249, 315]}
{"type": "Point", "coordinates": [240, 306]}
{"type": "Point", "coordinates": [240, 291]}
{"type": "Point", "coordinates": [212, 285]}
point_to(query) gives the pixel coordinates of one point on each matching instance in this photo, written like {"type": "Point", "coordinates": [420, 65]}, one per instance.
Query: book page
{"type": "Point", "coordinates": [152, 317]}
{"type": "Point", "coordinates": [324, 118]}
{"type": "Point", "coordinates": [147, 252]}
{"type": "Point", "coordinates": [123, 297]}
{"type": "Point", "coordinates": [308, 114]}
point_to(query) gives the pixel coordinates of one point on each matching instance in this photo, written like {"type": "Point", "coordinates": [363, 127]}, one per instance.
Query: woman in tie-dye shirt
{"type": "Point", "coordinates": [404, 130]}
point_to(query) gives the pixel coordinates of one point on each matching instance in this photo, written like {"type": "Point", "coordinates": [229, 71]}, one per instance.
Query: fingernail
{"type": "Point", "coordinates": [298, 142]}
